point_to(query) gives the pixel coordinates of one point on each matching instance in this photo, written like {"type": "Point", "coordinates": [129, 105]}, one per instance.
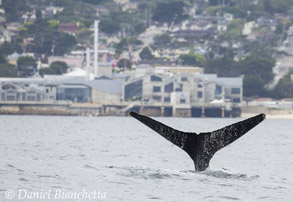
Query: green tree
{"type": "Point", "coordinates": [26, 66]}
{"type": "Point", "coordinates": [2, 57]}
{"type": "Point", "coordinates": [39, 13]}
{"type": "Point", "coordinates": [169, 11]}
{"type": "Point", "coordinates": [65, 42]}
{"type": "Point", "coordinates": [109, 26]}
{"type": "Point", "coordinates": [253, 85]}
{"type": "Point", "coordinates": [56, 68]}
{"type": "Point", "coordinates": [94, 2]}
{"type": "Point", "coordinates": [53, 24]}
{"type": "Point", "coordinates": [258, 64]}
{"type": "Point", "coordinates": [161, 41]}
{"type": "Point", "coordinates": [14, 9]}
{"type": "Point", "coordinates": [124, 63]}
{"type": "Point", "coordinates": [284, 88]}
{"type": "Point", "coordinates": [7, 70]}
{"type": "Point", "coordinates": [146, 54]}
{"type": "Point", "coordinates": [59, 67]}
{"type": "Point", "coordinates": [46, 71]}
{"type": "Point", "coordinates": [224, 66]}
{"type": "Point", "coordinates": [9, 48]}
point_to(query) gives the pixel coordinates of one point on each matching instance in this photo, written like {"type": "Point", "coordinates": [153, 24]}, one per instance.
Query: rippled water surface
{"type": "Point", "coordinates": [129, 162]}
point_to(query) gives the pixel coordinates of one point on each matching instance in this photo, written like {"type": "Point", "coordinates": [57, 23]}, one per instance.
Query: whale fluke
{"type": "Point", "coordinates": [201, 147]}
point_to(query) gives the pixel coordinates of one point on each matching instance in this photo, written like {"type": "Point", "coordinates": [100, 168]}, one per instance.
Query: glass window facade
{"type": "Point", "coordinates": [218, 90]}
{"type": "Point", "coordinates": [133, 90]}
{"type": "Point", "coordinates": [235, 91]}
{"type": "Point", "coordinates": [156, 78]}
{"type": "Point", "coordinates": [156, 89]}
{"type": "Point", "coordinates": [199, 94]}
{"type": "Point", "coordinates": [169, 88]}
{"type": "Point", "coordinates": [75, 94]}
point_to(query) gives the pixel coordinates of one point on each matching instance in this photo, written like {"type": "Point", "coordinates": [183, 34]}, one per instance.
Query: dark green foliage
{"type": "Point", "coordinates": [161, 41]}
{"type": "Point", "coordinates": [253, 85]}
{"type": "Point", "coordinates": [284, 88]}
{"type": "Point", "coordinates": [214, 2]}
{"type": "Point", "coordinates": [2, 57]}
{"type": "Point", "coordinates": [224, 66]}
{"type": "Point", "coordinates": [8, 70]}
{"type": "Point", "coordinates": [188, 59]}
{"type": "Point", "coordinates": [125, 44]}
{"type": "Point", "coordinates": [124, 63]}
{"type": "Point", "coordinates": [77, 11]}
{"type": "Point", "coordinates": [26, 66]}
{"type": "Point", "coordinates": [14, 9]}
{"type": "Point", "coordinates": [109, 26]}
{"type": "Point", "coordinates": [94, 2]}
{"type": "Point", "coordinates": [46, 40]}
{"type": "Point", "coordinates": [258, 64]}
{"type": "Point", "coordinates": [65, 43]}
{"type": "Point", "coordinates": [46, 71]}
{"type": "Point", "coordinates": [9, 48]}
{"type": "Point", "coordinates": [256, 67]}
{"type": "Point", "coordinates": [59, 67]}
{"type": "Point", "coordinates": [146, 54]}
{"type": "Point", "coordinates": [38, 13]}
{"type": "Point", "coordinates": [169, 11]}
{"type": "Point", "coordinates": [56, 68]}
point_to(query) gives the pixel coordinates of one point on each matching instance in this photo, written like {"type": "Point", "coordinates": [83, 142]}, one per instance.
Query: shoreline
{"type": "Point", "coordinates": [268, 116]}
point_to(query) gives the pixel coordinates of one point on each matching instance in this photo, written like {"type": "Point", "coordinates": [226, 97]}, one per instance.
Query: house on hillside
{"type": "Point", "coordinates": [68, 28]}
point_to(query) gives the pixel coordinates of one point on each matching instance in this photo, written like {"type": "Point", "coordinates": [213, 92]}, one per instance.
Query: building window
{"type": "Point", "coordinates": [199, 85]}
{"type": "Point", "coordinates": [156, 89]}
{"type": "Point", "coordinates": [235, 90]}
{"type": "Point", "coordinates": [199, 94]}
{"type": "Point", "coordinates": [236, 100]}
{"type": "Point", "coordinates": [169, 88]}
{"type": "Point", "coordinates": [157, 98]}
{"type": "Point", "coordinates": [218, 90]}
{"type": "Point", "coordinates": [133, 90]}
{"type": "Point", "coordinates": [156, 78]}
{"type": "Point", "coordinates": [167, 99]}
{"type": "Point", "coordinates": [183, 79]}
{"type": "Point", "coordinates": [182, 101]}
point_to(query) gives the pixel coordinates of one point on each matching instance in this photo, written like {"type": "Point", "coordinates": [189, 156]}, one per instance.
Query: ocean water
{"type": "Point", "coordinates": [58, 158]}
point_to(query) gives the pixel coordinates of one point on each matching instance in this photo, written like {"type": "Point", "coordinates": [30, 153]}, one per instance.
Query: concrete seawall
{"type": "Point", "coordinates": [91, 109]}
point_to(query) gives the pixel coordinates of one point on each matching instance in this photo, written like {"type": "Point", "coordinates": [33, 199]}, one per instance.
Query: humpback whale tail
{"type": "Point", "coordinates": [201, 147]}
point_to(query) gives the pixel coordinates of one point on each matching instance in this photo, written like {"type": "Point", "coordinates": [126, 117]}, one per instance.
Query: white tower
{"type": "Point", "coordinates": [88, 60]}
{"type": "Point", "coordinates": [96, 43]}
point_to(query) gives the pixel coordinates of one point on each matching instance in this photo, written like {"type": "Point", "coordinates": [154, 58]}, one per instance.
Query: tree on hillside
{"type": "Point", "coordinates": [46, 39]}
{"type": "Point", "coordinates": [59, 67]}
{"type": "Point", "coordinates": [258, 64]}
{"type": "Point", "coordinates": [253, 85]}
{"type": "Point", "coordinates": [161, 41]}
{"type": "Point", "coordinates": [7, 70]}
{"type": "Point", "coordinates": [65, 42]}
{"type": "Point", "coordinates": [56, 68]}
{"type": "Point", "coordinates": [146, 54]}
{"type": "Point", "coordinates": [224, 66]}
{"type": "Point", "coordinates": [14, 9]}
{"type": "Point", "coordinates": [192, 59]}
{"type": "Point", "coordinates": [109, 27]}
{"type": "Point", "coordinates": [95, 2]}
{"type": "Point", "coordinates": [169, 11]}
{"type": "Point", "coordinates": [26, 66]}
{"type": "Point", "coordinates": [284, 88]}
